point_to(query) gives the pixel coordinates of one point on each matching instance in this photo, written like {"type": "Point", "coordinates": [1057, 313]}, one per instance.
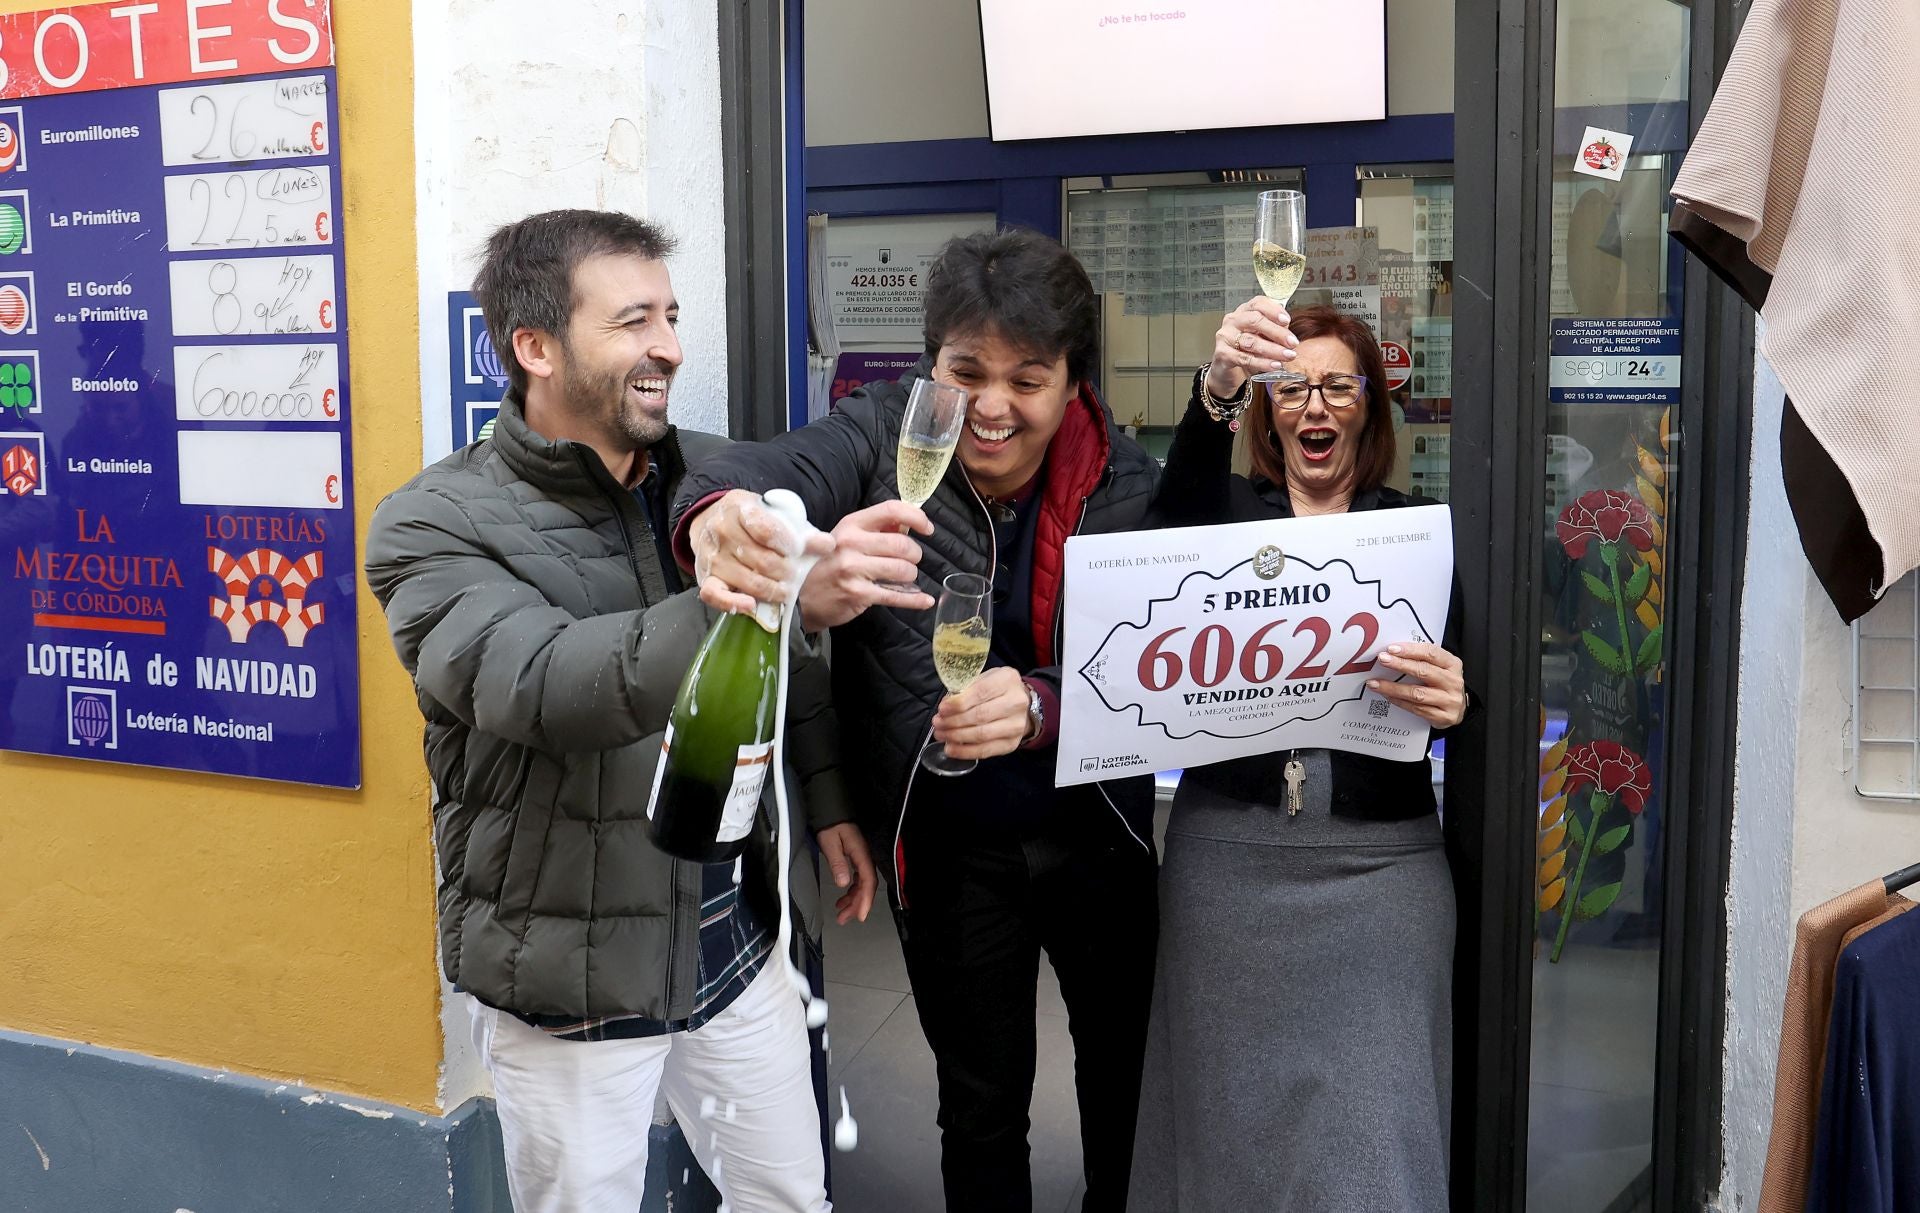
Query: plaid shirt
{"type": "Point", "coordinates": [733, 944]}
{"type": "Point", "coordinates": [734, 947]}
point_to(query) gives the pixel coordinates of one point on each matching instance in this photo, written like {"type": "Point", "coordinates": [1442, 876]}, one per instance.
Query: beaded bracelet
{"type": "Point", "coordinates": [1225, 410]}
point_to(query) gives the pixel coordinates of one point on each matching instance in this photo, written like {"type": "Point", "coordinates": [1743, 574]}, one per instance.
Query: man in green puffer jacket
{"type": "Point", "coordinates": [532, 595]}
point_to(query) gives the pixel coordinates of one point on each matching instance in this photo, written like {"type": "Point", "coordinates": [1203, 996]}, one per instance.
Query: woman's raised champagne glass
{"type": "Point", "coordinates": [928, 432]}
{"type": "Point", "coordinates": [962, 638]}
{"type": "Point", "coordinates": [1280, 256]}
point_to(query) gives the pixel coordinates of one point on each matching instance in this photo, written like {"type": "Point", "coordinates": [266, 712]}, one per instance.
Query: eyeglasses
{"type": "Point", "coordinates": [1339, 392]}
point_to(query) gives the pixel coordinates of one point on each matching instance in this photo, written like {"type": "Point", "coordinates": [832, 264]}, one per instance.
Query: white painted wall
{"type": "Point", "coordinates": [529, 105]}
{"type": "Point", "coordinates": [887, 71]}
{"type": "Point", "coordinates": [525, 106]}
{"type": "Point", "coordinates": [1801, 833]}
{"type": "Point", "coordinates": [1759, 922]}
{"type": "Point", "coordinates": [1841, 839]}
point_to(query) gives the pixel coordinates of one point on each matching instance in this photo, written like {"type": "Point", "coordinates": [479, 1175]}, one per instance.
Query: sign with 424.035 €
{"type": "Point", "coordinates": [1201, 644]}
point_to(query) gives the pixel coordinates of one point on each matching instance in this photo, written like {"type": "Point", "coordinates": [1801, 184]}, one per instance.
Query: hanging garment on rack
{"type": "Point", "coordinates": [1797, 191]}
{"type": "Point", "coordinates": [1866, 1152]}
{"type": "Point", "coordinates": [1896, 906]}
{"type": "Point", "coordinates": [1803, 1042]}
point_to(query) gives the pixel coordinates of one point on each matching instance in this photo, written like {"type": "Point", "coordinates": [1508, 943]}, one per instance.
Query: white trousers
{"type": "Point", "coordinates": [574, 1114]}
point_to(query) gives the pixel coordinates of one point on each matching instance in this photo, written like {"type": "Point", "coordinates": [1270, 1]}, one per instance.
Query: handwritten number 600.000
{"type": "Point", "coordinates": [1211, 656]}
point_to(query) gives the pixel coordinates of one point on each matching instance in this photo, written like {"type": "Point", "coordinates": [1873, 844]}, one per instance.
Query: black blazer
{"type": "Point", "coordinates": [1198, 488]}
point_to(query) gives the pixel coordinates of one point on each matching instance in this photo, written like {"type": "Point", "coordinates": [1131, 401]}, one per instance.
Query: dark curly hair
{"type": "Point", "coordinates": [1020, 285]}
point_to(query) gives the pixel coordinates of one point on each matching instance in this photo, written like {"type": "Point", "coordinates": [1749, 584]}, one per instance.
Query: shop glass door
{"type": "Point", "coordinates": [1614, 382]}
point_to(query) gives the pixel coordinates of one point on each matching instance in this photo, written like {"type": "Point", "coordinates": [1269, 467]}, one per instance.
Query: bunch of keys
{"type": "Point", "coordinates": [1296, 777]}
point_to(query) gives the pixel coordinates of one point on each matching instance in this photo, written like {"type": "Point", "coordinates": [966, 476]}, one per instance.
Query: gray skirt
{"type": "Point", "coordinates": [1300, 1054]}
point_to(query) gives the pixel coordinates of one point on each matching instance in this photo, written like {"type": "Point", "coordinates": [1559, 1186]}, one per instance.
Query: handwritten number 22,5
{"type": "Point", "coordinates": [204, 191]}
{"type": "Point", "coordinates": [1211, 656]}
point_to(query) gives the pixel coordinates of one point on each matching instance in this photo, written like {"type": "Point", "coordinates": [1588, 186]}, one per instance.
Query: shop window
{"type": "Point", "coordinates": [1409, 207]}
{"type": "Point", "coordinates": [1169, 255]}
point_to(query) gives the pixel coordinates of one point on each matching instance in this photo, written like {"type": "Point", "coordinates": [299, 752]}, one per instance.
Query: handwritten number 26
{"type": "Point", "coordinates": [1211, 656]}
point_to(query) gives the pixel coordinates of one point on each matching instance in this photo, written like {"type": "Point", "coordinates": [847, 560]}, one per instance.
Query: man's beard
{"type": "Point", "coordinates": [593, 394]}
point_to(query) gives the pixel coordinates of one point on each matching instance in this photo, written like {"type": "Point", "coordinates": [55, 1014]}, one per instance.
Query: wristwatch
{"type": "Point", "coordinates": [1036, 714]}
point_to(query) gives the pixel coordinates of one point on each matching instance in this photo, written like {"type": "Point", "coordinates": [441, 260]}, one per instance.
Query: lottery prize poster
{"type": "Point", "coordinates": [1201, 644]}
{"type": "Point", "coordinates": [176, 520]}
{"type": "Point", "coordinates": [1343, 272]}
{"type": "Point", "coordinates": [880, 293]}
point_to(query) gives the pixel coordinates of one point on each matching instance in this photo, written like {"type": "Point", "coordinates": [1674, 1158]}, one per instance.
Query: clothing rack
{"type": "Point", "coordinates": [1899, 880]}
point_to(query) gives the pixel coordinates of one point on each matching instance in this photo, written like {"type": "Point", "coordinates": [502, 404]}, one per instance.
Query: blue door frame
{"type": "Point", "coordinates": [1020, 183]}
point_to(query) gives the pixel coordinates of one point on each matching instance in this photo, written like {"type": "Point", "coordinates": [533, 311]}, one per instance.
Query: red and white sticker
{"type": "Point", "coordinates": [1603, 153]}
{"type": "Point", "coordinates": [1398, 362]}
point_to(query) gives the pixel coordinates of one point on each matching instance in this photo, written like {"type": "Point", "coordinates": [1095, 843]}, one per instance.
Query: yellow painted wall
{"type": "Point", "coordinates": [280, 930]}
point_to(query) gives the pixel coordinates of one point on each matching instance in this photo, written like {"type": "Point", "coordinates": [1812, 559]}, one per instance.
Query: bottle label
{"type": "Point", "coordinates": [660, 771]}
{"type": "Point", "coordinates": [749, 777]}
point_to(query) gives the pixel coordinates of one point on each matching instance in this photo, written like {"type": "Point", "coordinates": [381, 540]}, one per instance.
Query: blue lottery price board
{"type": "Point", "coordinates": [176, 519]}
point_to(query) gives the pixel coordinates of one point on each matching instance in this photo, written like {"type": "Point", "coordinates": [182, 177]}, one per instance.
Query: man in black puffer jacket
{"type": "Point", "coordinates": [992, 867]}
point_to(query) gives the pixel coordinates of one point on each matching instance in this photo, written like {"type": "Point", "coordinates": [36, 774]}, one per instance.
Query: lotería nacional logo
{"type": "Point", "coordinates": [486, 359]}
{"type": "Point", "coordinates": [23, 464]}
{"type": "Point", "coordinates": [1268, 562]}
{"type": "Point", "coordinates": [483, 360]}
{"type": "Point", "coordinates": [93, 718]}
{"type": "Point", "coordinates": [265, 587]}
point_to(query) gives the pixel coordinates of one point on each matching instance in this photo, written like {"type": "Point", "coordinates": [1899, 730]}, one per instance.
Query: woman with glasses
{"type": "Point", "coordinates": [1301, 1043]}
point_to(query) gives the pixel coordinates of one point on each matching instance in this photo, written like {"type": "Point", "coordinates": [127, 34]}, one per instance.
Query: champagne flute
{"type": "Point", "coordinates": [1279, 256]}
{"type": "Point", "coordinates": [962, 637]}
{"type": "Point", "coordinates": [929, 430]}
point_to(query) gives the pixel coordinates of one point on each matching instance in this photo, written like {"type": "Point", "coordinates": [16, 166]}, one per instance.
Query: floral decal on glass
{"type": "Point", "coordinates": [1615, 520]}
{"type": "Point", "coordinates": [1592, 791]}
{"type": "Point", "coordinates": [1613, 777]}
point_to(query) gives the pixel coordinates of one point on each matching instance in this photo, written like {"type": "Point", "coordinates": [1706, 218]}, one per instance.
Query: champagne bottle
{"type": "Point", "coordinates": [718, 750]}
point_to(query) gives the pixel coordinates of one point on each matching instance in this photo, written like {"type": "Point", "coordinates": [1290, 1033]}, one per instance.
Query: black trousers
{"type": "Point", "coordinates": [979, 913]}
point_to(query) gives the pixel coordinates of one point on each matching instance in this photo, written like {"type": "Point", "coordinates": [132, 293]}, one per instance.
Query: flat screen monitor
{"type": "Point", "coordinates": [1059, 68]}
